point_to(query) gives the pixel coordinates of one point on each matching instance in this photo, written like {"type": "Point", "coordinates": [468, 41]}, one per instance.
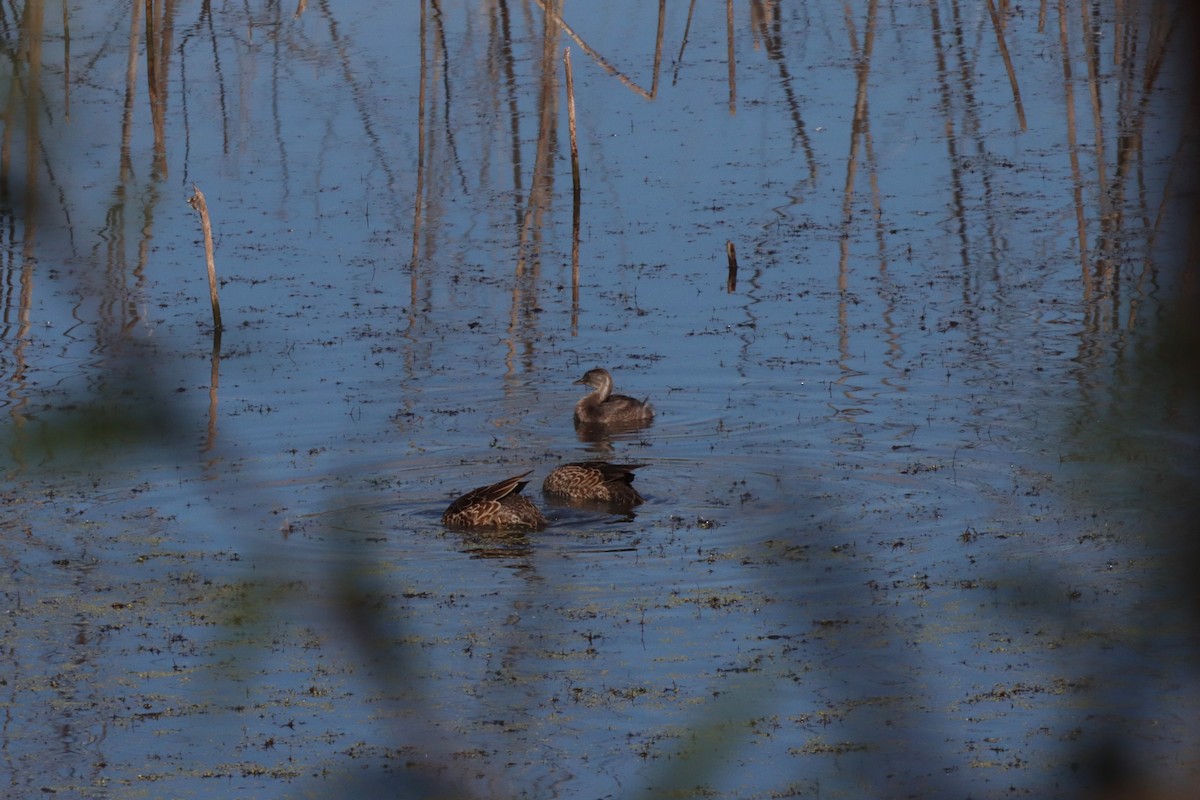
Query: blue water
{"type": "Point", "coordinates": [885, 549]}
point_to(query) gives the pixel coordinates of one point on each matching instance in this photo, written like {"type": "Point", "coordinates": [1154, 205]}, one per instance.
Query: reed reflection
{"type": "Point", "coordinates": [19, 218]}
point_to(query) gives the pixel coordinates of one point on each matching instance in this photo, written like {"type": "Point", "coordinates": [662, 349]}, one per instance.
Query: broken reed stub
{"type": "Point", "coordinates": [196, 201]}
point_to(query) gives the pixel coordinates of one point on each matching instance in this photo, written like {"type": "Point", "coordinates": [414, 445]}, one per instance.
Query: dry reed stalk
{"type": "Point", "coordinates": [196, 201]}
{"type": "Point", "coordinates": [571, 124]}
{"type": "Point", "coordinates": [683, 42]}
{"type": "Point", "coordinates": [658, 47]}
{"type": "Point", "coordinates": [555, 16]}
{"type": "Point", "coordinates": [731, 257]}
{"type": "Point", "coordinates": [998, 24]}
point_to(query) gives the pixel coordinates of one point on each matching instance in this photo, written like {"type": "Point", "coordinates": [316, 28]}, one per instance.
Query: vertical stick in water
{"type": "Point", "coordinates": [571, 122]}
{"type": "Point", "coordinates": [196, 201]}
{"type": "Point", "coordinates": [731, 256]}
{"type": "Point", "coordinates": [998, 25]}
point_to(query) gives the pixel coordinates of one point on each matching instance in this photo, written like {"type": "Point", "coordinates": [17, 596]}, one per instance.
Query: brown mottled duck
{"type": "Point", "coordinates": [602, 407]}
{"type": "Point", "coordinates": [594, 482]}
{"type": "Point", "coordinates": [500, 506]}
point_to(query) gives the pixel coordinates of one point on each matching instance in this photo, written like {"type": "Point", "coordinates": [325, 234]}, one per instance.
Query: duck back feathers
{"type": "Point", "coordinates": [499, 506]}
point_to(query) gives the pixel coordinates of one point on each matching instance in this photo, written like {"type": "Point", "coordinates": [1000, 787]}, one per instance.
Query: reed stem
{"type": "Point", "coordinates": [196, 201]}
{"type": "Point", "coordinates": [731, 257]}
{"type": "Point", "coordinates": [571, 123]}
{"type": "Point", "coordinates": [998, 25]}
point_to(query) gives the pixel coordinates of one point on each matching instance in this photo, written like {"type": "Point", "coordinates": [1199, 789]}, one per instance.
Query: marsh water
{"type": "Point", "coordinates": [903, 535]}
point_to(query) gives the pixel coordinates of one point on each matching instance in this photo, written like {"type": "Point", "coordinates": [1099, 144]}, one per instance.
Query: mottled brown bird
{"type": "Point", "coordinates": [594, 482]}
{"type": "Point", "coordinates": [602, 407]}
{"type": "Point", "coordinates": [500, 506]}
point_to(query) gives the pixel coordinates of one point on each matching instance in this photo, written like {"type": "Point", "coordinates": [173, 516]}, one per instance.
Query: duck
{"type": "Point", "coordinates": [593, 482]}
{"type": "Point", "coordinates": [602, 407]}
{"type": "Point", "coordinates": [499, 506]}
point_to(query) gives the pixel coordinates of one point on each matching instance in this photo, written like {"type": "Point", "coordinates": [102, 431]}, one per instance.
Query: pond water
{"type": "Point", "coordinates": [902, 536]}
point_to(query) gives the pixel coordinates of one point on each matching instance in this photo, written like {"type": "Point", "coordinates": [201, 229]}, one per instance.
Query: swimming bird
{"type": "Point", "coordinates": [500, 506]}
{"type": "Point", "coordinates": [594, 482]}
{"type": "Point", "coordinates": [602, 407]}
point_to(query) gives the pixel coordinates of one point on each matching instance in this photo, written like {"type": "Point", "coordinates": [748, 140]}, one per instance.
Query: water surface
{"type": "Point", "coordinates": [891, 544]}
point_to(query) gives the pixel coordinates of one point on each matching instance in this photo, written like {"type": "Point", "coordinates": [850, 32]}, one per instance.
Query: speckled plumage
{"type": "Point", "coordinates": [500, 506]}
{"type": "Point", "coordinates": [602, 407]}
{"type": "Point", "coordinates": [594, 482]}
